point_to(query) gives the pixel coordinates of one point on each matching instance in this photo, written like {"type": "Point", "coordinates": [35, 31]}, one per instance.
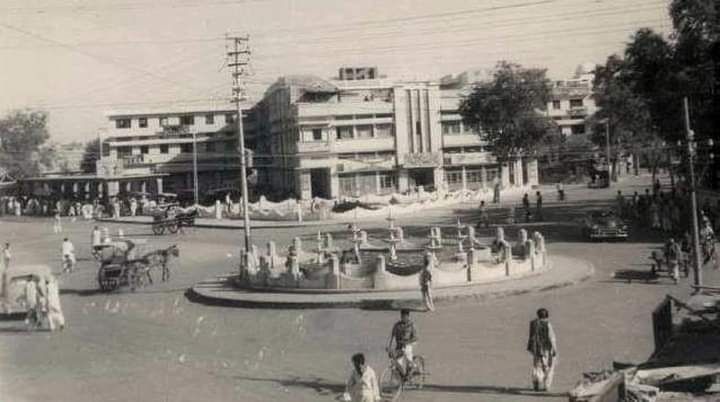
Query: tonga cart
{"type": "Point", "coordinates": [120, 266]}
{"type": "Point", "coordinates": [14, 301]}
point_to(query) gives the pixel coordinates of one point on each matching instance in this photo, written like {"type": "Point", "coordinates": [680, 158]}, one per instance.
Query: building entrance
{"type": "Point", "coordinates": [421, 177]}
{"type": "Point", "coordinates": [320, 183]}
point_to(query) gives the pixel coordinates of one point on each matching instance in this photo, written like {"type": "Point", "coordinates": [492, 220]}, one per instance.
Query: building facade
{"type": "Point", "coordinates": [163, 146]}
{"type": "Point", "coordinates": [349, 137]}
{"type": "Point", "coordinates": [572, 103]}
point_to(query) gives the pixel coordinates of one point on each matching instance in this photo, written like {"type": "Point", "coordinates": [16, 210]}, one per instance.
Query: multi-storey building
{"type": "Point", "coordinates": [335, 138]}
{"type": "Point", "coordinates": [164, 143]}
{"type": "Point", "coordinates": [572, 103]}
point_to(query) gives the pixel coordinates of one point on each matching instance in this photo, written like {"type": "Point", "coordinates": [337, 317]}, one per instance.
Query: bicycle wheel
{"type": "Point", "coordinates": [158, 228]}
{"type": "Point", "coordinates": [173, 227]}
{"type": "Point", "coordinates": [390, 382]}
{"type": "Point", "coordinates": [418, 376]}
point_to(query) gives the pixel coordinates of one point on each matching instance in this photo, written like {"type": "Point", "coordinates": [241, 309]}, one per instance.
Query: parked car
{"type": "Point", "coordinates": [604, 225]}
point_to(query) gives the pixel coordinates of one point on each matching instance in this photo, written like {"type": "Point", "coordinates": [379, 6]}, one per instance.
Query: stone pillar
{"type": "Point", "coordinates": [75, 186]}
{"type": "Point", "coordinates": [379, 279]}
{"type": "Point", "coordinates": [377, 183]}
{"type": "Point", "coordinates": [143, 186]}
{"type": "Point", "coordinates": [271, 253]}
{"type": "Point", "coordinates": [328, 241]}
{"type": "Point", "coordinates": [463, 174]}
{"type": "Point", "coordinates": [530, 253]}
{"type": "Point", "coordinates": [333, 278]}
{"type": "Point", "coordinates": [471, 257]}
{"type": "Point", "coordinates": [439, 178]}
{"type": "Point", "coordinates": [483, 176]}
{"type": "Point", "coordinates": [128, 187]}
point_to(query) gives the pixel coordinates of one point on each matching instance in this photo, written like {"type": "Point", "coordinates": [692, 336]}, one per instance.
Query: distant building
{"type": "Point", "coordinates": [352, 136]}
{"type": "Point", "coordinates": [571, 103]}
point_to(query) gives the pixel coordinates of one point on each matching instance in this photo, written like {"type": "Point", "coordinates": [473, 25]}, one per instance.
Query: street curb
{"type": "Point", "coordinates": [197, 296]}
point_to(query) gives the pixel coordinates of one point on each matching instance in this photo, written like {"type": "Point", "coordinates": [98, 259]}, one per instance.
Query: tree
{"type": "Point", "coordinates": [22, 136]}
{"type": "Point", "coordinates": [626, 114]}
{"type": "Point", "coordinates": [90, 155]}
{"type": "Point", "coordinates": [506, 110]}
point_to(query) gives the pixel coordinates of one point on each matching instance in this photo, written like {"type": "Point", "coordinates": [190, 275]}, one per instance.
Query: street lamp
{"type": "Point", "coordinates": [195, 172]}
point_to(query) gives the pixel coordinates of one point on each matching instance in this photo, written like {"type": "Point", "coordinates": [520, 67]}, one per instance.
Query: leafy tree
{"type": "Point", "coordinates": [506, 110]}
{"type": "Point", "coordinates": [22, 136]}
{"type": "Point", "coordinates": [91, 154]}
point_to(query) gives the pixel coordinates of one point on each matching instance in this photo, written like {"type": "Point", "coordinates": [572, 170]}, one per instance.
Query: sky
{"type": "Point", "coordinates": [79, 59]}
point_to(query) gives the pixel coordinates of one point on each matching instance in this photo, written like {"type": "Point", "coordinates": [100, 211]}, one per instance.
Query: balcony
{"type": "Point", "coordinates": [342, 108]}
{"type": "Point", "coordinates": [460, 140]}
{"type": "Point", "coordinates": [577, 111]}
{"type": "Point", "coordinates": [312, 147]}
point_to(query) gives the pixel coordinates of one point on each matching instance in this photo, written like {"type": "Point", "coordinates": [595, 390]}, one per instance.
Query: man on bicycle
{"type": "Point", "coordinates": [405, 336]}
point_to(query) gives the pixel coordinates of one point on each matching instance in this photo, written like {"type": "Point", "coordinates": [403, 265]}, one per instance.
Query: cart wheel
{"type": "Point", "coordinates": [158, 229]}
{"type": "Point", "coordinates": [106, 283]}
{"type": "Point", "coordinates": [173, 227]}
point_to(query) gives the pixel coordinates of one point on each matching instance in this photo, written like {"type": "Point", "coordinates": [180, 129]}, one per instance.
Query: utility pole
{"type": "Point", "coordinates": [195, 168]}
{"type": "Point", "coordinates": [689, 136]}
{"type": "Point", "coordinates": [607, 150]}
{"type": "Point", "coordinates": [239, 61]}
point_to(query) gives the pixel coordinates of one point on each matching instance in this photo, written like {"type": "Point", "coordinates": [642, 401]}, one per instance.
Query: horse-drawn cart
{"type": "Point", "coordinates": [172, 220]}
{"type": "Point", "coordinates": [128, 263]}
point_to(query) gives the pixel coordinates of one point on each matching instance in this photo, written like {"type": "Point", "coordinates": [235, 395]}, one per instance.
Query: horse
{"type": "Point", "coordinates": [160, 258]}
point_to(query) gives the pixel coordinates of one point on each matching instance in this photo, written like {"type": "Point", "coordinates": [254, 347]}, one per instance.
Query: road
{"type": "Point", "coordinates": [156, 345]}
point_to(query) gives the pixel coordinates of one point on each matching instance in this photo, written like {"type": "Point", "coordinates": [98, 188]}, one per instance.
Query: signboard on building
{"type": "Point", "coordinates": [472, 158]}
{"type": "Point", "coordinates": [358, 165]}
{"type": "Point", "coordinates": [422, 160]}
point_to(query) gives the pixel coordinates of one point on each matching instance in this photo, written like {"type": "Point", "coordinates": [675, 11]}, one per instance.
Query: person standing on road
{"type": "Point", "coordinates": [68, 255]}
{"type": "Point", "coordinates": [362, 386]}
{"type": "Point", "coordinates": [484, 221]}
{"type": "Point", "coordinates": [538, 205]}
{"type": "Point", "coordinates": [5, 267]}
{"type": "Point", "coordinates": [56, 318]}
{"type": "Point", "coordinates": [96, 241]}
{"type": "Point", "coordinates": [543, 347]}
{"type": "Point", "coordinates": [57, 223]}
{"type": "Point", "coordinates": [496, 193]}
{"type": "Point", "coordinates": [426, 281]}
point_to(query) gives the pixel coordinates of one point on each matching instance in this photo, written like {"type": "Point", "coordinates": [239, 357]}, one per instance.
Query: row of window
{"type": "Point", "coordinates": [186, 148]}
{"type": "Point", "coordinates": [367, 183]}
{"type": "Point", "coordinates": [472, 176]}
{"type": "Point", "coordinates": [185, 120]}
{"type": "Point", "coordinates": [573, 103]}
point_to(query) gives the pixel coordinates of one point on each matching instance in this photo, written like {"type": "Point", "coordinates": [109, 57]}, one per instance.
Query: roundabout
{"type": "Point", "coordinates": [384, 272]}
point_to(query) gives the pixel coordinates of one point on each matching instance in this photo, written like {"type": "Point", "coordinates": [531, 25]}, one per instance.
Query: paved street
{"type": "Point", "coordinates": [155, 345]}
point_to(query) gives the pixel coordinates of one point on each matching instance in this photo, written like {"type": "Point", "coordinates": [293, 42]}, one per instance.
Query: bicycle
{"type": "Point", "coordinates": [392, 382]}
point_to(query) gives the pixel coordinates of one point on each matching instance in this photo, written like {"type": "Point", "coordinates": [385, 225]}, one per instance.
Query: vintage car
{"type": "Point", "coordinates": [604, 225]}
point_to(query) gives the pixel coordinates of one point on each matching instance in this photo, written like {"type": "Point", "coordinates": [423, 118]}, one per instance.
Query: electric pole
{"type": "Point", "coordinates": [239, 61]}
{"type": "Point", "coordinates": [690, 137]}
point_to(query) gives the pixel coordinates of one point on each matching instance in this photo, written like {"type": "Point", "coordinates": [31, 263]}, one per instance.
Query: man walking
{"type": "Point", "coordinates": [426, 281]}
{"type": "Point", "coordinates": [5, 266]}
{"type": "Point", "coordinates": [542, 346]}
{"type": "Point", "coordinates": [68, 255]}
{"type": "Point", "coordinates": [538, 205]}
{"type": "Point", "coordinates": [362, 386]}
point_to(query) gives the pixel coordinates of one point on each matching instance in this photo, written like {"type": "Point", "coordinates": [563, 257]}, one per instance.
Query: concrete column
{"type": "Point", "coordinates": [439, 177]}
{"type": "Point", "coordinates": [464, 178]}
{"type": "Point", "coordinates": [143, 186]}
{"type": "Point", "coordinates": [113, 188]}
{"type": "Point", "coordinates": [483, 176]}
{"type": "Point", "coordinates": [403, 181]}
{"type": "Point", "coordinates": [159, 184]}
{"type": "Point", "coordinates": [303, 184]}
{"type": "Point", "coordinates": [128, 186]}
{"type": "Point", "coordinates": [504, 175]}
{"type": "Point", "coordinates": [377, 183]}
{"type": "Point", "coordinates": [75, 186]}
{"type": "Point", "coordinates": [518, 173]}
{"type": "Point", "coordinates": [333, 278]}
{"type": "Point", "coordinates": [334, 185]}
{"type": "Point", "coordinates": [532, 172]}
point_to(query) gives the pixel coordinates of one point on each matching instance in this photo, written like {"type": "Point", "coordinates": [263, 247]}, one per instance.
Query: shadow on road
{"type": "Point", "coordinates": [320, 385]}
{"type": "Point", "coordinates": [491, 389]}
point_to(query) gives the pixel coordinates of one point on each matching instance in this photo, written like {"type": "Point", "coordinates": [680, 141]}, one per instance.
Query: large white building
{"type": "Point", "coordinates": [348, 137]}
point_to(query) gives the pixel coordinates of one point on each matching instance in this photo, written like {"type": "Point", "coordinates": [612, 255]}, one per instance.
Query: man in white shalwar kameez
{"type": "Point", "coordinates": [543, 347]}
